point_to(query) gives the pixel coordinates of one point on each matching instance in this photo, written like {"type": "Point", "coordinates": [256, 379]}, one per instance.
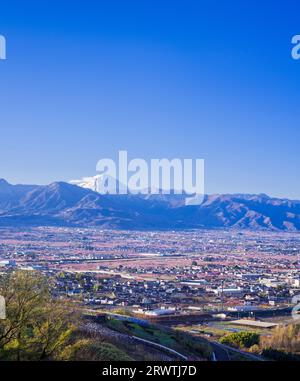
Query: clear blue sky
{"type": "Point", "coordinates": [207, 79]}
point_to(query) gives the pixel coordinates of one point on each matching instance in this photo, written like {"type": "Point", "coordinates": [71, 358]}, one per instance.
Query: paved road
{"type": "Point", "coordinates": [222, 352]}
{"type": "Point", "coordinates": [131, 339]}
{"type": "Point", "coordinates": [167, 349]}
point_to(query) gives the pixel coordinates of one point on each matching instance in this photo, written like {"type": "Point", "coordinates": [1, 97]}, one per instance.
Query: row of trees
{"type": "Point", "coordinates": [282, 344]}
{"type": "Point", "coordinates": [285, 340]}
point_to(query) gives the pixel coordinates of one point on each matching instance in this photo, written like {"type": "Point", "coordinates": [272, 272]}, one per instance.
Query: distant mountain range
{"type": "Point", "coordinates": [64, 204]}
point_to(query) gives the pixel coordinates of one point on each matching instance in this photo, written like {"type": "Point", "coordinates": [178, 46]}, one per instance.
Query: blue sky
{"type": "Point", "coordinates": [186, 79]}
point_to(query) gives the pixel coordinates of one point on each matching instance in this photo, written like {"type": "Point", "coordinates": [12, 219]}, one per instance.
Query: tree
{"type": "Point", "coordinates": [283, 338]}
{"type": "Point", "coordinates": [40, 327]}
{"type": "Point", "coordinates": [241, 339]}
{"type": "Point", "coordinates": [36, 326]}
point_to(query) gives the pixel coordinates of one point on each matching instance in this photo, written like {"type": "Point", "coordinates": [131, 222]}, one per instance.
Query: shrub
{"type": "Point", "coordinates": [90, 350]}
{"type": "Point", "coordinates": [254, 349]}
{"type": "Point", "coordinates": [241, 339]}
{"type": "Point", "coordinates": [277, 355]}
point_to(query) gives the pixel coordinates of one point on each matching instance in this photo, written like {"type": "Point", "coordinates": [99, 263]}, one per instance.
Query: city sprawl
{"type": "Point", "coordinates": [162, 273]}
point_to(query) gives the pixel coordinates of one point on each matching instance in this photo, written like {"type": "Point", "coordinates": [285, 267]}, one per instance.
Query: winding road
{"type": "Point", "coordinates": [222, 352]}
